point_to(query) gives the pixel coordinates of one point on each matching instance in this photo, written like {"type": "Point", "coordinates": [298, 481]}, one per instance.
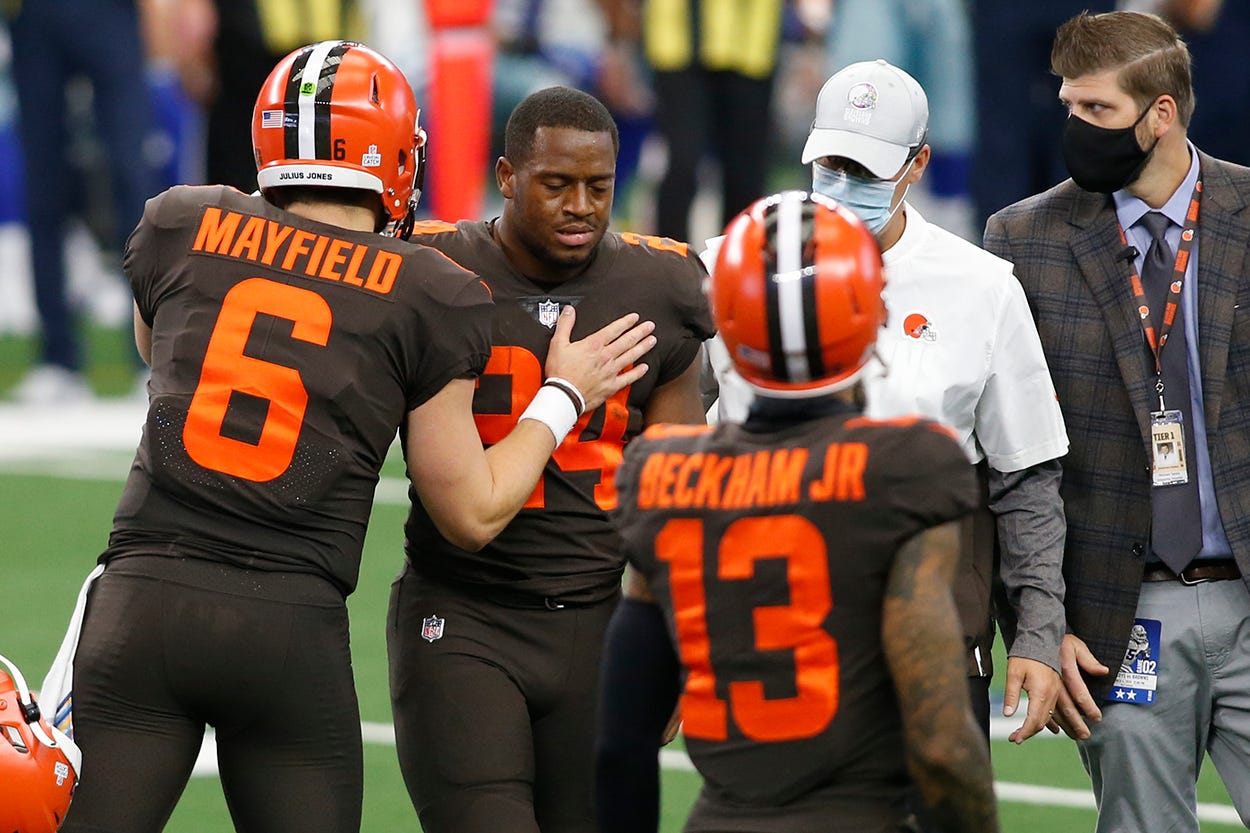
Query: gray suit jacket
{"type": "Point", "coordinates": [1067, 253]}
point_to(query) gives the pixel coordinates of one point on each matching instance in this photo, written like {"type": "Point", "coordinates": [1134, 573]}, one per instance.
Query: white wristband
{"type": "Point", "coordinates": [553, 408]}
{"type": "Point", "coordinates": [569, 388]}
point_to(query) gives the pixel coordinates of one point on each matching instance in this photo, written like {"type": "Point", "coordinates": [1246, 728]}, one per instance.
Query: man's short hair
{"type": "Point", "coordinates": [555, 107]}
{"type": "Point", "coordinates": [1151, 57]}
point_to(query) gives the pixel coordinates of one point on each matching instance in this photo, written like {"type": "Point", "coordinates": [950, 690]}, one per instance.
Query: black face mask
{"type": "Point", "coordinates": [1104, 159]}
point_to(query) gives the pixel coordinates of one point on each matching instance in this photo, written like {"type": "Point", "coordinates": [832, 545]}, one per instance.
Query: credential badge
{"type": "Point", "coordinates": [432, 628]}
{"type": "Point", "coordinates": [1138, 680]}
{"type": "Point", "coordinates": [548, 313]}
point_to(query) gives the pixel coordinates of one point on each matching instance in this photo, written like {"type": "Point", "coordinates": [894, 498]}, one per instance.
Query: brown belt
{"type": "Point", "coordinates": [1214, 570]}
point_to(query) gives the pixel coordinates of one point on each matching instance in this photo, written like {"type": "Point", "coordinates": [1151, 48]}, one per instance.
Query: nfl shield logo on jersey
{"type": "Point", "coordinates": [432, 628]}
{"type": "Point", "coordinates": [548, 313]}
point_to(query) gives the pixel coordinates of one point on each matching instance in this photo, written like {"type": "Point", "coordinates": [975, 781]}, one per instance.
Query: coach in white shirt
{"type": "Point", "coordinates": [960, 347]}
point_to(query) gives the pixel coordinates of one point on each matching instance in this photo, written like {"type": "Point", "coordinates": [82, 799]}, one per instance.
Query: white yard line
{"type": "Point", "coordinates": [1083, 799]}
{"type": "Point", "coordinates": [96, 442]}
{"type": "Point", "coordinates": [383, 734]}
{"type": "Point", "coordinates": [28, 432]}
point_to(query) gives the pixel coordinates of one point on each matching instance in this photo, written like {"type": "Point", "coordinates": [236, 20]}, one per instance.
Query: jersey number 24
{"type": "Point", "coordinates": [601, 453]}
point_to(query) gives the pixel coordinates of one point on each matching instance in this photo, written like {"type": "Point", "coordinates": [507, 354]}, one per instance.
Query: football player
{"type": "Point", "coordinates": [961, 348]}
{"type": "Point", "coordinates": [803, 561]}
{"type": "Point", "coordinates": [503, 645]}
{"type": "Point", "coordinates": [288, 340]}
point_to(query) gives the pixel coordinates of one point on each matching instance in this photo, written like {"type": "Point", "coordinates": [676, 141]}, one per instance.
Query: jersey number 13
{"type": "Point", "coordinates": [797, 627]}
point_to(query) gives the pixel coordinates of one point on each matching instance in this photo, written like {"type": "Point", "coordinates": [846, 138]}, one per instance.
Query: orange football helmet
{"type": "Point", "coordinates": [338, 114]}
{"type": "Point", "coordinates": [796, 295]}
{"type": "Point", "coordinates": [39, 765]}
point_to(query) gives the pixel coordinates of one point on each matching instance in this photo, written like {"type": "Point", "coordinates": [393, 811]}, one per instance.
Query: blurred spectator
{"type": "Point", "coordinates": [11, 209]}
{"type": "Point", "coordinates": [178, 74]}
{"type": "Point", "coordinates": [1217, 32]}
{"type": "Point", "coordinates": [542, 41]}
{"type": "Point", "coordinates": [54, 45]}
{"type": "Point", "coordinates": [931, 40]}
{"type": "Point", "coordinates": [228, 49]}
{"type": "Point", "coordinates": [545, 43]}
{"type": "Point", "coordinates": [1019, 118]}
{"type": "Point", "coordinates": [714, 65]}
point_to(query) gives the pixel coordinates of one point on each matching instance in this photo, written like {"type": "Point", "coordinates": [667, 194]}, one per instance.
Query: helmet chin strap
{"type": "Point", "coordinates": [404, 231]}
{"type": "Point", "coordinates": [403, 228]}
{"type": "Point", "coordinates": [30, 709]}
{"type": "Point", "coordinates": [32, 716]}
{"type": "Point", "coordinates": [68, 748]}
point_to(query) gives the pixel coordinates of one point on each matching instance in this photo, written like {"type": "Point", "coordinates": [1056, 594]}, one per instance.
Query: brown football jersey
{"type": "Point", "coordinates": [285, 354]}
{"type": "Point", "coordinates": [561, 544]}
{"type": "Point", "coordinates": [769, 553]}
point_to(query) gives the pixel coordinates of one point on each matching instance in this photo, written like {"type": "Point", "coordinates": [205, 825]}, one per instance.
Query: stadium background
{"type": "Point", "coordinates": [61, 472]}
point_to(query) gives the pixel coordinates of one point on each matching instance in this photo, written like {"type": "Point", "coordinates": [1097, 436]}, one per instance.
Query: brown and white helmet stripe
{"type": "Point", "coordinates": [338, 114]}
{"type": "Point", "coordinates": [789, 256]}
{"type": "Point", "coordinates": [310, 86]}
{"type": "Point", "coordinates": [796, 293]}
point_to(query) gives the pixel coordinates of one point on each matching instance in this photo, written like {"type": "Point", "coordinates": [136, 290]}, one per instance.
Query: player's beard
{"type": "Point", "coordinates": [561, 262]}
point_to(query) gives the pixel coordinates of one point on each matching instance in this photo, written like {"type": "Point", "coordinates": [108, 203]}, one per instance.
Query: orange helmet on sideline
{"type": "Point", "coordinates": [39, 765]}
{"type": "Point", "coordinates": [796, 295]}
{"type": "Point", "coordinates": [337, 114]}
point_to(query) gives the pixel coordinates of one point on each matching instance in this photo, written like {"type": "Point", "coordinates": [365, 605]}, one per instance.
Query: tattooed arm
{"type": "Point", "coordinates": [920, 633]}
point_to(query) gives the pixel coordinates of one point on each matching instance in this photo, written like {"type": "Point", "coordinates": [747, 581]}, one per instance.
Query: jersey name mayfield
{"type": "Point", "coordinates": [286, 352]}
{"type": "Point", "coordinates": [293, 249]}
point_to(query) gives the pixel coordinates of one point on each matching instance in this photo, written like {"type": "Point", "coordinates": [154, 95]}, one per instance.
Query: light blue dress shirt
{"type": "Point", "coordinates": [1129, 209]}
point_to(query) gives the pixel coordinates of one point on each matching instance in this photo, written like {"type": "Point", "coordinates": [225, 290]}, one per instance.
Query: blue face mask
{"type": "Point", "coordinates": [869, 198]}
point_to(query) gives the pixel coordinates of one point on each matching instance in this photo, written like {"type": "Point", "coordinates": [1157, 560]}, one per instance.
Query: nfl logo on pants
{"type": "Point", "coordinates": [431, 628]}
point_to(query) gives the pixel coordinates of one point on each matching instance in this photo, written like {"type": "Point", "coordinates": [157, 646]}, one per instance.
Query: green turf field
{"type": "Point", "coordinates": [55, 512]}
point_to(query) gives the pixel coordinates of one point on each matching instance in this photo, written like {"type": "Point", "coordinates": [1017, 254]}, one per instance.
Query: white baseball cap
{"type": "Point", "coordinates": [872, 113]}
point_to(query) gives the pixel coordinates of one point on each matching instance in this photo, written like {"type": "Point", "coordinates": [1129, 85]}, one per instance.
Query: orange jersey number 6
{"type": "Point", "coordinates": [226, 369]}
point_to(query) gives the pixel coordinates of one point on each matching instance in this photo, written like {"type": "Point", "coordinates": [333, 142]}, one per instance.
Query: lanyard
{"type": "Point", "coordinates": [1157, 341]}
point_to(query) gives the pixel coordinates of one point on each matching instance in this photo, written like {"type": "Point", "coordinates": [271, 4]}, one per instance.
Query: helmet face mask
{"type": "Point", "coordinates": [39, 766]}
{"type": "Point", "coordinates": [796, 295]}
{"type": "Point", "coordinates": [337, 114]}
